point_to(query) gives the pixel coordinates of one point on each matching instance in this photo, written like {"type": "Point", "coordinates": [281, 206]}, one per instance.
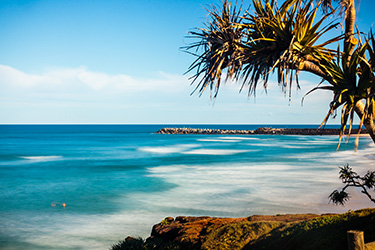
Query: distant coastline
{"type": "Point", "coordinates": [258, 131]}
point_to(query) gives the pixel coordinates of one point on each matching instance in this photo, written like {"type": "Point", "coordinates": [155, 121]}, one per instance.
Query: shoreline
{"type": "Point", "coordinates": [259, 131]}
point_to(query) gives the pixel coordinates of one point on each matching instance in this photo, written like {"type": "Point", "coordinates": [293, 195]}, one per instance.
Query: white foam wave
{"type": "Point", "coordinates": [239, 138]}
{"type": "Point", "coordinates": [42, 158]}
{"type": "Point", "coordinates": [168, 149]}
{"type": "Point", "coordinates": [248, 188]}
{"type": "Point", "coordinates": [215, 151]}
{"type": "Point", "coordinates": [294, 146]}
{"type": "Point", "coordinates": [363, 158]}
{"type": "Point", "coordinates": [87, 231]}
{"type": "Point", "coordinates": [316, 142]}
{"type": "Point", "coordinates": [160, 150]}
{"type": "Point", "coordinates": [219, 140]}
{"type": "Point", "coordinates": [306, 156]}
{"type": "Point", "coordinates": [261, 144]}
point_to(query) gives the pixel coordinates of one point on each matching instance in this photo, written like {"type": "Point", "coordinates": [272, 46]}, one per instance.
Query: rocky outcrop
{"type": "Point", "coordinates": [281, 232]}
{"type": "Point", "coordinates": [193, 231]}
{"type": "Point", "coordinates": [259, 131]}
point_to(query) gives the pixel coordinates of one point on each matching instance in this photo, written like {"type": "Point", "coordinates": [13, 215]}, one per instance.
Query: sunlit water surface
{"type": "Point", "coordinates": [120, 180]}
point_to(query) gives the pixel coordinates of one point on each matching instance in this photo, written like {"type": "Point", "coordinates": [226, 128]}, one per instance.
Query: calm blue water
{"type": "Point", "coordinates": [119, 180]}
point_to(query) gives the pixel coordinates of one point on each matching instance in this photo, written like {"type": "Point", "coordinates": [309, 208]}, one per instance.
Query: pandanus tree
{"type": "Point", "coordinates": [250, 45]}
{"type": "Point", "coordinates": [352, 179]}
{"type": "Point", "coordinates": [287, 40]}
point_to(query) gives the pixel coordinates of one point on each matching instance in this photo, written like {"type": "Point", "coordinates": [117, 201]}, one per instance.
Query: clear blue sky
{"type": "Point", "coordinates": [119, 61]}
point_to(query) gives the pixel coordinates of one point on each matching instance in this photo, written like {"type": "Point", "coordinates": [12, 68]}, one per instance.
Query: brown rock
{"type": "Point", "coordinates": [193, 230]}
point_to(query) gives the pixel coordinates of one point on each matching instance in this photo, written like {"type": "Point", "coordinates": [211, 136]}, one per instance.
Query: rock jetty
{"type": "Point", "coordinates": [258, 131]}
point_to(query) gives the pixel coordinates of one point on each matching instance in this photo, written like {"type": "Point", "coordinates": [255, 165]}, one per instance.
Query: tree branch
{"type": "Point", "coordinates": [364, 191]}
{"type": "Point", "coordinates": [312, 68]}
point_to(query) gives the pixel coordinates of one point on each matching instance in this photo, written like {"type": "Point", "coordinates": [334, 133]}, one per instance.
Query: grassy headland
{"type": "Point", "coordinates": [301, 231]}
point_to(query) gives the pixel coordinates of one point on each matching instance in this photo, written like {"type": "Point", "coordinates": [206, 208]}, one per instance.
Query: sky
{"type": "Point", "coordinates": [121, 62]}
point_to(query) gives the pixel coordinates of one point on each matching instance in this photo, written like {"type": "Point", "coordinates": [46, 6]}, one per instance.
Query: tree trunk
{"type": "Point", "coordinates": [312, 68]}
{"type": "Point", "coordinates": [368, 122]}
{"type": "Point", "coordinates": [355, 240]}
{"type": "Point", "coordinates": [349, 26]}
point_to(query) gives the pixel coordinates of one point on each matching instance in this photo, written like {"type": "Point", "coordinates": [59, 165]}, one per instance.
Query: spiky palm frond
{"type": "Point", "coordinates": [219, 46]}
{"type": "Point", "coordinates": [339, 197]}
{"type": "Point", "coordinates": [351, 80]}
{"type": "Point", "coordinates": [369, 179]}
{"type": "Point", "coordinates": [347, 173]}
{"type": "Point", "coordinates": [284, 39]}
{"type": "Point", "coordinates": [252, 46]}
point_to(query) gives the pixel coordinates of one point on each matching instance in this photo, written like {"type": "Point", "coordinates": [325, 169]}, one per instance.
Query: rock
{"type": "Point", "coordinates": [280, 231]}
{"type": "Point", "coordinates": [194, 230]}
{"type": "Point", "coordinates": [258, 131]}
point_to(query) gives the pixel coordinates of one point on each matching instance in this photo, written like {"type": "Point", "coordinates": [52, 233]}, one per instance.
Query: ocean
{"type": "Point", "coordinates": [90, 186]}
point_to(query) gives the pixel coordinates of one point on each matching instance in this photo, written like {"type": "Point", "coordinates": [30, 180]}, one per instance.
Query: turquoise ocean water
{"type": "Point", "coordinates": [119, 180]}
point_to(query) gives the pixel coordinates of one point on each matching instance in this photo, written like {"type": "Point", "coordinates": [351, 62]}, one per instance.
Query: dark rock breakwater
{"type": "Point", "coordinates": [258, 131]}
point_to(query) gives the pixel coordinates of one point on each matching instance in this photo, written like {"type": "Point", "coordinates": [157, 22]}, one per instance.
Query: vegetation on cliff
{"type": "Point", "coordinates": [304, 231]}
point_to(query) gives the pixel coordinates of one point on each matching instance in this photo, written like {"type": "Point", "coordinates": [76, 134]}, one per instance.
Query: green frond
{"type": "Point", "coordinates": [352, 79]}
{"type": "Point", "coordinates": [284, 40]}
{"type": "Point", "coordinates": [339, 197]}
{"type": "Point", "coordinates": [293, 39]}
{"type": "Point", "coordinates": [254, 45]}
{"type": "Point", "coordinates": [218, 49]}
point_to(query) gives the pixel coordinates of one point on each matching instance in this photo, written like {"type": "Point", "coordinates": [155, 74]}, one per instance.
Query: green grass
{"type": "Point", "coordinates": [237, 235]}
{"type": "Point", "coordinates": [326, 232]}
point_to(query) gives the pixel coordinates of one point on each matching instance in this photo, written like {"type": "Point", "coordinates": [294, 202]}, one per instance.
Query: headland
{"type": "Point", "coordinates": [281, 232]}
